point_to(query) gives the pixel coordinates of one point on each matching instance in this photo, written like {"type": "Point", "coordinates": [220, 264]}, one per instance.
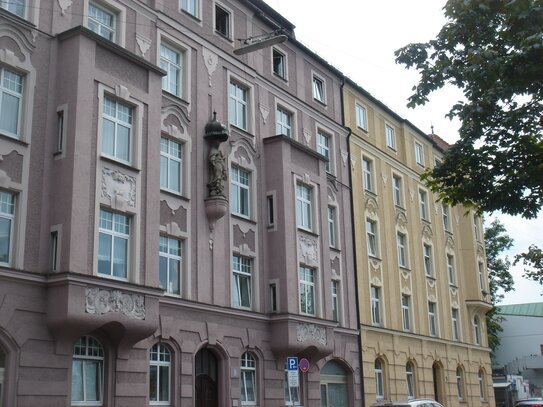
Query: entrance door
{"type": "Point", "coordinates": [437, 373]}
{"type": "Point", "coordinates": [206, 385]}
{"type": "Point", "coordinates": [334, 391]}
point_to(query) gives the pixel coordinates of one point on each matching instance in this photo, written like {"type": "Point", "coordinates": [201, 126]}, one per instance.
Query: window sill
{"type": "Point", "coordinates": [282, 78]}
{"type": "Point", "coordinates": [374, 257]}
{"type": "Point", "coordinates": [319, 102]}
{"type": "Point", "coordinates": [243, 217]}
{"type": "Point", "coordinates": [241, 129]}
{"type": "Point", "coordinates": [14, 139]}
{"type": "Point", "coordinates": [308, 231]}
{"type": "Point", "coordinates": [404, 268]}
{"type": "Point", "coordinates": [175, 194]}
{"type": "Point", "coordinates": [226, 38]}
{"type": "Point", "coordinates": [110, 277]}
{"type": "Point", "coordinates": [365, 130]}
{"type": "Point", "coordinates": [192, 16]}
{"type": "Point", "coordinates": [113, 160]}
{"type": "Point", "coordinates": [400, 207]}
{"type": "Point", "coordinates": [430, 277]}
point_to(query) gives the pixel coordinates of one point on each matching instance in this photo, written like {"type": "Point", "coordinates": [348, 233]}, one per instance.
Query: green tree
{"type": "Point", "coordinates": [533, 258]}
{"type": "Point", "coordinates": [500, 280]}
{"type": "Point", "coordinates": [493, 51]}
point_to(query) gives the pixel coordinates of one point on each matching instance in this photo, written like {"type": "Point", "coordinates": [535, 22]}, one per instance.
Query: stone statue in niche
{"type": "Point", "coordinates": [218, 175]}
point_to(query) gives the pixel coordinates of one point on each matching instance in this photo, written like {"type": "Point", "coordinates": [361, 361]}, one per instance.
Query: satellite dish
{"type": "Point", "coordinates": [251, 45]}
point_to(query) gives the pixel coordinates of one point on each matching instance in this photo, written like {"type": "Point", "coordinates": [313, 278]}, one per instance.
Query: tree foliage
{"type": "Point", "coordinates": [493, 51]}
{"type": "Point", "coordinates": [533, 258]}
{"type": "Point", "coordinates": [500, 279]}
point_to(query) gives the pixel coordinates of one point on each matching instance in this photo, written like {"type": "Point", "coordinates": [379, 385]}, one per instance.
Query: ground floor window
{"type": "Point", "coordinates": [334, 385]}
{"type": "Point", "coordinates": [87, 371]}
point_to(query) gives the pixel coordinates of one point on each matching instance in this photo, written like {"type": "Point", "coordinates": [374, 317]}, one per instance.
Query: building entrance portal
{"type": "Point", "coordinates": [334, 386]}
{"type": "Point", "coordinates": [206, 385]}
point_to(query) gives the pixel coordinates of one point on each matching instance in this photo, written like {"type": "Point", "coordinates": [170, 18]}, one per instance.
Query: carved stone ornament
{"type": "Point", "coordinates": [371, 206]}
{"type": "Point", "coordinates": [210, 60]}
{"type": "Point", "coordinates": [99, 301]}
{"type": "Point", "coordinates": [427, 233]}
{"type": "Point", "coordinates": [116, 185]}
{"type": "Point", "coordinates": [144, 44]}
{"type": "Point", "coordinates": [344, 157]}
{"type": "Point", "coordinates": [311, 332]}
{"type": "Point", "coordinates": [307, 136]}
{"type": "Point", "coordinates": [64, 4]}
{"type": "Point", "coordinates": [307, 250]}
{"type": "Point", "coordinates": [401, 220]}
{"type": "Point", "coordinates": [264, 112]}
{"type": "Point", "coordinates": [450, 243]}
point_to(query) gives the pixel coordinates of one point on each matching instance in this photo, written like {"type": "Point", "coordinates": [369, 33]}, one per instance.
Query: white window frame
{"type": "Point", "coordinates": [238, 104]}
{"type": "Point", "coordinates": [242, 271]}
{"type": "Point", "coordinates": [482, 384]}
{"type": "Point", "coordinates": [481, 267]}
{"type": "Point", "coordinates": [229, 21]}
{"type": "Point", "coordinates": [397, 193]}
{"type": "Point", "coordinates": [423, 205]}
{"type": "Point", "coordinates": [6, 76]}
{"type": "Point", "coordinates": [169, 158]}
{"type": "Point", "coordinates": [284, 122]}
{"type": "Point", "coordinates": [248, 372]}
{"type": "Point", "coordinates": [332, 226]}
{"type": "Point", "coordinates": [428, 260]}
{"type": "Point", "coordinates": [115, 234]}
{"type": "Point", "coordinates": [432, 318]}
{"type": "Point", "coordinates": [410, 380]}
{"type": "Point", "coordinates": [379, 380]}
{"type": "Point", "coordinates": [240, 191]}
{"type": "Point", "coordinates": [172, 66]}
{"type": "Point", "coordinates": [371, 236]}
{"type": "Point", "coordinates": [455, 315]}
{"type": "Point", "coordinates": [93, 352]}
{"type": "Point", "coordinates": [376, 318]}
{"type": "Point", "coordinates": [390, 135]}
{"type": "Point", "coordinates": [100, 26]}
{"type": "Point", "coordinates": [160, 357]}
{"type": "Point", "coordinates": [419, 153]}
{"type": "Point", "coordinates": [446, 210]}
{"type": "Point", "coordinates": [367, 174]}
{"type": "Point", "coordinates": [324, 146]}
{"type": "Point", "coordinates": [451, 271]}
{"type": "Point", "coordinates": [191, 7]}
{"type": "Point", "coordinates": [401, 246]}
{"type": "Point", "coordinates": [304, 206]}
{"type": "Point", "coordinates": [113, 7]}
{"type": "Point", "coordinates": [336, 313]}
{"type": "Point", "coordinates": [307, 280]}
{"type": "Point", "coordinates": [17, 7]}
{"type": "Point", "coordinates": [318, 86]}
{"type": "Point", "coordinates": [477, 339]}
{"type": "Point", "coordinates": [460, 383]}
{"type": "Point", "coordinates": [361, 116]}
{"type": "Point", "coordinates": [8, 201]}
{"type": "Point", "coordinates": [118, 121]}
{"type": "Point", "coordinates": [171, 253]}
{"type": "Point", "coordinates": [406, 312]}
{"type": "Point", "coordinates": [283, 56]}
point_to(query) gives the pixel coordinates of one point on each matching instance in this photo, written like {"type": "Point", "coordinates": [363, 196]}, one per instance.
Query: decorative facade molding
{"type": "Point", "coordinates": [307, 136]}
{"type": "Point", "coordinates": [144, 44]}
{"type": "Point", "coordinates": [64, 4]}
{"type": "Point", "coordinates": [371, 205]}
{"type": "Point", "coordinates": [308, 249]}
{"type": "Point", "coordinates": [99, 301]}
{"type": "Point", "coordinates": [264, 112]}
{"type": "Point", "coordinates": [211, 60]}
{"type": "Point", "coordinates": [118, 187]}
{"type": "Point", "coordinates": [311, 332]}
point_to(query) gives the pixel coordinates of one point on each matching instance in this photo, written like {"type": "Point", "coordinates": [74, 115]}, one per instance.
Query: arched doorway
{"type": "Point", "coordinates": [437, 375]}
{"type": "Point", "coordinates": [206, 373]}
{"type": "Point", "coordinates": [334, 380]}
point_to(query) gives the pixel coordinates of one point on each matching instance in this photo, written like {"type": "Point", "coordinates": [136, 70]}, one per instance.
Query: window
{"type": "Point", "coordinates": [171, 61]}
{"type": "Point", "coordinates": [481, 275]}
{"type": "Point", "coordinates": [318, 89]}
{"type": "Point", "coordinates": [242, 270]}
{"type": "Point", "coordinates": [390, 136]}
{"type": "Point", "coordinates": [397, 190]}
{"type": "Point", "coordinates": [271, 210]}
{"type": "Point", "coordinates": [379, 380]}
{"type": "Point", "coordinates": [159, 374]}
{"type": "Point", "coordinates": [432, 322]}
{"type": "Point", "coordinates": [450, 269]}
{"type": "Point", "coordinates": [237, 105]}
{"type": "Point", "coordinates": [367, 174]}
{"type": "Point", "coordinates": [476, 227]}
{"type": "Point", "coordinates": [482, 384]}
{"type": "Point", "coordinates": [239, 185]}
{"type": "Point", "coordinates": [446, 217]}
{"type": "Point", "coordinates": [303, 206]}
{"type": "Point", "coordinates": [459, 383]}
{"type": "Point", "coordinates": [54, 251]}
{"type": "Point", "coordinates": [191, 7]}
{"type": "Point", "coordinates": [409, 376]}
{"type": "Point", "coordinates": [248, 379]}
{"type": "Point", "coordinates": [423, 205]}
{"type": "Point", "coordinates": [402, 253]}
{"type": "Point", "coordinates": [170, 265]}
{"type": "Point", "coordinates": [455, 324]}
{"type": "Point", "coordinates": [292, 394]}
{"type": "Point", "coordinates": [7, 219]}
{"type": "Point", "coordinates": [60, 131]}
{"type": "Point", "coordinates": [87, 371]}
{"type": "Point", "coordinates": [307, 290]}
{"type": "Point", "coordinates": [11, 96]}
{"type": "Point", "coordinates": [427, 253]}
{"type": "Point", "coordinates": [406, 312]}
{"type": "Point", "coordinates": [375, 306]}
{"type": "Point", "coordinates": [323, 147]}
{"type": "Point", "coordinates": [279, 63]}
{"type": "Point", "coordinates": [117, 129]}
{"type": "Point", "coordinates": [283, 125]}
{"type": "Point", "coordinates": [332, 226]}
{"type": "Point", "coordinates": [14, 6]}
{"type": "Point", "coordinates": [361, 117]}
{"type": "Point", "coordinates": [335, 300]}
{"type": "Point", "coordinates": [222, 21]}
{"type": "Point", "coordinates": [102, 21]}
{"type": "Point", "coordinates": [171, 162]}
{"type": "Point", "coordinates": [371, 232]}
{"type": "Point", "coordinates": [419, 153]}
{"type": "Point", "coordinates": [476, 330]}
{"type": "Point", "coordinates": [273, 297]}
{"type": "Point", "coordinates": [114, 238]}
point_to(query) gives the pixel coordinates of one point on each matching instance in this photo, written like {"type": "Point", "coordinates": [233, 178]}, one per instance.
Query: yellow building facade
{"type": "Point", "coordinates": [422, 280]}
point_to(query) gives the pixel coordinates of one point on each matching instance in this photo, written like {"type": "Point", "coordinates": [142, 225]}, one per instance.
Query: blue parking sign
{"type": "Point", "coordinates": [292, 363]}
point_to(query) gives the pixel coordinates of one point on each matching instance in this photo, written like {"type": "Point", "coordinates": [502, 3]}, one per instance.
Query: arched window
{"type": "Point", "coordinates": [88, 370]}
{"type": "Point", "coordinates": [334, 382]}
{"type": "Point", "coordinates": [379, 380]}
{"type": "Point", "coordinates": [410, 378]}
{"type": "Point", "coordinates": [248, 379]}
{"type": "Point", "coordinates": [460, 383]}
{"type": "Point", "coordinates": [160, 363]}
{"type": "Point", "coordinates": [477, 330]}
{"type": "Point", "coordinates": [482, 384]}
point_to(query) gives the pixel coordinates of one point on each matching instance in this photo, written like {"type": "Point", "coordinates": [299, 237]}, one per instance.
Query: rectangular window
{"type": "Point", "coordinates": [371, 233]}
{"type": "Point", "coordinates": [171, 61]}
{"type": "Point", "coordinates": [432, 322]}
{"type": "Point", "coordinates": [375, 306]}
{"type": "Point", "coordinates": [102, 21]}
{"type": "Point", "coordinates": [11, 96]}
{"type": "Point", "coordinates": [117, 129]}
{"type": "Point", "coordinates": [450, 269]}
{"type": "Point", "coordinates": [318, 89]}
{"type": "Point", "coordinates": [307, 290]}
{"type": "Point", "coordinates": [273, 298]}
{"type": "Point", "coordinates": [446, 217]}
{"type": "Point", "coordinates": [54, 251]}
{"type": "Point", "coordinates": [7, 219]}
{"type": "Point", "coordinates": [406, 312]}
{"type": "Point", "coordinates": [113, 244]}
{"type": "Point", "coordinates": [397, 190]}
{"type": "Point", "coordinates": [60, 131]}
{"type": "Point", "coordinates": [361, 117]}
{"type": "Point", "coordinates": [391, 137]}
{"type": "Point", "coordinates": [279, 63]}
{"type": "Point", "coordinates": [476, 227]}
{"type": "Point", "coordinates": [242, 270]}
{"type": "Point", "coordinates": [170, 265]}
{"type": "Point", "coordinates": [332, 226]}
{"type": "Point", "coordinates": [455, 324]}
{"type": "Point", "coordinates": [419, 153]}
{"type": "Point", "coordinates": [222, 21]}
{"type": "Point", "coordinates": [335, 300]}
{"type": "Point", "coordinates": [240, 184]}
{"type": "Point", "coordinates": [482, 275]}
{"type": "Point", "coordinates": [367, 174]}
{"type": "Point", "coordinates": [283, 125]}
{"type": "Point", "coordinates": [402, 253]}
{"type": "Point", "coordinates": [323, 147]}
{"type": "Point", "coordinates": [428, 266]}
{"type": "Point", "coordinates": [191, 7]}
{"type": "Point", "coordinates": [237, 107]}
{"type": "Point", "coordinates": [271, 210]}
{"type": "Point", "coordinates": [16, 7]}
{"type": "Point", "coordinates": [171, 164]}
{"type": "Point", "coordinates": [423, 204]}
{"type": "Point", "coordinates": [248, 379]}
{"type": "Point", "coordinates": [303, 206]}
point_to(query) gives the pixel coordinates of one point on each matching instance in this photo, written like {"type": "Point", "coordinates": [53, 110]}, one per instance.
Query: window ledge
{"type": "Point", "coordinates": [174, 193]}
{"type": "Point", "coordinates": [13, 139]}
{"type": "Point", "coordinates": [276, 75]}
{"type": "Point", "coordinates": [192, 16]}
{"type": "Point", "coordinates": [243, 218]}
{"type": "Point", "coordinates": [430, 277]}
{"type": "Point", "coordinates": [241, 130]}
{"type": "Point", "coordinates": [308, 231]}
{"type": "Point", "coordinates": [117, 162]}
{"type": "Point", "coordinates": [320, 102]}
{"type": "Point", "coordinates": [224, 37]}
{"type": "Point", "coordinates": [405, 268]}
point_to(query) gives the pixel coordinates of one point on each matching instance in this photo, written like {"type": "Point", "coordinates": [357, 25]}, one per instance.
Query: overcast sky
{"type": "Point", "coordinates": [359, 38]}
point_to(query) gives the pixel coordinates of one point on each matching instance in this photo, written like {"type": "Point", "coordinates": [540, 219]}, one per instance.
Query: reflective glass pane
{"type": "Point", "coordinates": [104, 254]}
{"type": "Point", "coordinates": [120, 252]}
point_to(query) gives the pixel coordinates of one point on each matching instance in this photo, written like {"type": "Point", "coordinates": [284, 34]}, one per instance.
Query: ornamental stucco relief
{"type": "Point", "coordinates": [100, 302]}
{"type": "Point", "coordinates": [308, 250]}
{"type": "Point", "coordinates": [116, 185]}
{"type": "Point", "coordinates": [311, 332]}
